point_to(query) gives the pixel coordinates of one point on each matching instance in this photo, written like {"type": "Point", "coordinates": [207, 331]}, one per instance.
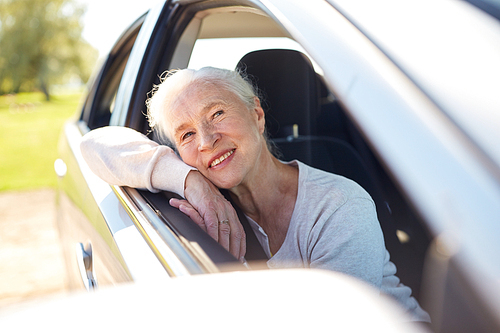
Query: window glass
{"type": "Point", "coordinates": [105, 95]}
{"type": "Point", "coordinates": [226, 52]}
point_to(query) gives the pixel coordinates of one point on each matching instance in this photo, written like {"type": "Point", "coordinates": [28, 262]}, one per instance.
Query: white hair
{"type": "Point", "coordinates": [174, 82]}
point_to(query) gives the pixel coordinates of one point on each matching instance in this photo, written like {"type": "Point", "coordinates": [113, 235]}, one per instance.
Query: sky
{"type": "Point", "coordinates": [105, 20]}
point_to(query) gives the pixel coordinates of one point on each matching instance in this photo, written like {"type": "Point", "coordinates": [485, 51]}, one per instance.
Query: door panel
{"type": "Point", "coordinates": [80, 221]}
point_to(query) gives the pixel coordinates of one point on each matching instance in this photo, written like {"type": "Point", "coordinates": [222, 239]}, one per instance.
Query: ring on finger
{"type": "Point", "coordinates": [224, 222]}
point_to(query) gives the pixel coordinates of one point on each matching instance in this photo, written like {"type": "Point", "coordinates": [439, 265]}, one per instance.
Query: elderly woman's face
{"type": "Point", "coordinates": [216, 133]}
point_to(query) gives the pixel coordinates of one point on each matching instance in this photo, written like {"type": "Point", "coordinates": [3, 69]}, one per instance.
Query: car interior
{"type": "Point", "coordinates": [304, 120]}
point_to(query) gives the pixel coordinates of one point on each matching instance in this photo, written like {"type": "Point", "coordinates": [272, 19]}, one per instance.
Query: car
{"type": "Point", "coordinates": [399, 96]}
{"type": "Point", "coordinates": [188, 305]}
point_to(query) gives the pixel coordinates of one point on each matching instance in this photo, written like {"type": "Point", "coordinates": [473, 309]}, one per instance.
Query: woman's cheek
{"type": "Point", "coordinates": [187, 157]}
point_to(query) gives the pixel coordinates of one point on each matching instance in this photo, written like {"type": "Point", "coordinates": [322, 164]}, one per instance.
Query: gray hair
{"type": "Point", "coordinates": [172, 83]}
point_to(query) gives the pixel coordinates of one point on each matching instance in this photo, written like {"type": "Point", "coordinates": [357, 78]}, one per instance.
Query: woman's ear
{"type": "Point", "coordinates": [261, 117]}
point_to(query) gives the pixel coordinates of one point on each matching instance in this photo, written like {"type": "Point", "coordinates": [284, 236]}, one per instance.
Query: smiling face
{"type": "Point", "coordinates": [215, 132]}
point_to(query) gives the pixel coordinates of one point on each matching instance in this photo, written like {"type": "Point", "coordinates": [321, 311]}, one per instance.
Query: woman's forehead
{"type": "Point", "coordinates": [196, 100]}
{"type": "Point", "coordinates": [202, 96]}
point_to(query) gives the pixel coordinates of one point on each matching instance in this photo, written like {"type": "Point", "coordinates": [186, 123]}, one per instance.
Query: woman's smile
{"type": "Point", "coordinates": [217, 162]}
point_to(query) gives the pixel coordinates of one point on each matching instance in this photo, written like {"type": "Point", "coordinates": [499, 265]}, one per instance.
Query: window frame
{"type": "Point", "coordinates": [116, 59]}
{"type": "Point", "coordinates": [162, 52]}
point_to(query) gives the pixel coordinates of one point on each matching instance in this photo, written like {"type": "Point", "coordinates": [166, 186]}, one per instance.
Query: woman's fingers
{"type": "Point", "coordinates": [224, 226]}
{"type": "Point", "coordinates": [231, 233]}
{"type": "Point", "coordinates": [212, 223]}
{"type": "Point", "coordinates": [232, 236]}
{"type": "Point", "coordinates": [220, 219]}
{"type": "Point", "coordinates": [189, 210]}
{"type": "Point", "coordinates": [225, 233]}
{"type": "Point", "coordinates": [237, 237]}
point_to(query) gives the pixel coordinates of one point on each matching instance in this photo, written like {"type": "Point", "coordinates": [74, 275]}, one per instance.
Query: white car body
{"type": "Point", "coordinates": [417, 79]}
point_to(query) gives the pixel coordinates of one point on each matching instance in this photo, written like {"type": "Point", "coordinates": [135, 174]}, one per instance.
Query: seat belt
{"type": "Point", "coordinates": [254, 249]}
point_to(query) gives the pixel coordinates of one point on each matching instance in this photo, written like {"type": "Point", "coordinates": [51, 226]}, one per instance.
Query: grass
{"type": "Point", "coordinates": [29, 132]}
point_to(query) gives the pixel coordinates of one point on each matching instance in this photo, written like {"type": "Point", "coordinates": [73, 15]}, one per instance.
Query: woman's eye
{"type": "Point", "coordinates": [217, 114]}
{"type": "Point", "coordinates": [187, 135]}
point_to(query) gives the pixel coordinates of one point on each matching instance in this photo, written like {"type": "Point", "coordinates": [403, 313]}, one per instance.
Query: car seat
{"type": "Point", "coordinates": [288, 88]}
{"type": "Point", "coordinates": [291, 92]}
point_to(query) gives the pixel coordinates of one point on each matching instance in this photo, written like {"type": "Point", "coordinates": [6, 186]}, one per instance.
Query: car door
{"type": "Point", "coordinates": [101, 243]}
{"type": "Point", "coordinates": [370, 93]}
{"type": "Point", "coordinates": [373, 93]}
{"type": "Point", "coordinates": [205, 32]}
{"type": "Point", "coordinates": [197, 29]}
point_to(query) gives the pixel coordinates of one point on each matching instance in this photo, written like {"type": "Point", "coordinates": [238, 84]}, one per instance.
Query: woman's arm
{"type": "Point", "coordinates": [124, 157]}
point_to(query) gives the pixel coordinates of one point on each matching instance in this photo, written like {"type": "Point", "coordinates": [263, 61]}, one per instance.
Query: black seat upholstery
{"type": "Point", "coordinates": [291, 91]}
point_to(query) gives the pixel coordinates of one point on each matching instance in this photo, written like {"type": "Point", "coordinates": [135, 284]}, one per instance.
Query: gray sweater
{"type": "Point", "coordinates": [334, 224]}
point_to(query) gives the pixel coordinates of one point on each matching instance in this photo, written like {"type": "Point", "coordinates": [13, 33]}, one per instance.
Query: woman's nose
{"type": "Point", "coordinates": [208, 140]}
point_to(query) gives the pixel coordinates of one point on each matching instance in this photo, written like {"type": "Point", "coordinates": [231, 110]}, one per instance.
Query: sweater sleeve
{"type": "Point", "coordinates": [350, 241]}
{"type": "Point", "coordinates": [124, 157]}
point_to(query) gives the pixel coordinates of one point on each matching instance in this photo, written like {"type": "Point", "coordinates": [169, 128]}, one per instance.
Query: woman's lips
{"type": "Point", "coordinates": [219, 160]}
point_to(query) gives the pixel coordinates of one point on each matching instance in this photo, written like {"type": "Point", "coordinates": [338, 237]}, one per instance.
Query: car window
{"type": "Point", "coordinates": [226, 52]}
{"type": "Point", "coordinates": [304, 118]}
{"type": "Point", "coordinates": [100, 107]}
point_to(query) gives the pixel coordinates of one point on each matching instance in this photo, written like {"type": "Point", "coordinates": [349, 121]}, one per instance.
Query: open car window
{"type": "Point", "coordinates": [304, 118]}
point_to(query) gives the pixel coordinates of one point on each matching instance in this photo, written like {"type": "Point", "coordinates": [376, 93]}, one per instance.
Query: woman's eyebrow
{"type": "Point", "coordinates": [212, 104]}
{"type": "Point", "coordinates": [206, 107]}
{"type": "Point", "coordinates": [180, 128]}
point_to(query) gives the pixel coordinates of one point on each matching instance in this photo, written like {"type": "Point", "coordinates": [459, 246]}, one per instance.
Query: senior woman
{"type": "Point", "coordinates": [303, 217]}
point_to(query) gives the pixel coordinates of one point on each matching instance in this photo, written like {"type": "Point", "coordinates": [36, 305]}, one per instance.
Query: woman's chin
{"type": "Point", "coordinates": [226, 183]}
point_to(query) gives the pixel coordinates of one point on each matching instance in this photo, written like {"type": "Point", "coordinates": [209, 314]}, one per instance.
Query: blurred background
{"type": "Point", "coordinates": [48, 51]}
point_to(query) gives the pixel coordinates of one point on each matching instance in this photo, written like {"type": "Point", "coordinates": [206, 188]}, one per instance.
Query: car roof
{"type": "Point", "coordinates": [450, 49]}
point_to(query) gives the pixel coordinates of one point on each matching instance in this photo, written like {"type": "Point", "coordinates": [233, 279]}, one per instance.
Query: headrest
{"type": "Point", "coordinates": [289, 89]}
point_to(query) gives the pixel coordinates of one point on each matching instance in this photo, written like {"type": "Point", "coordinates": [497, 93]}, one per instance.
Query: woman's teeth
{"type": "Point", "coordinates": [222, 158]}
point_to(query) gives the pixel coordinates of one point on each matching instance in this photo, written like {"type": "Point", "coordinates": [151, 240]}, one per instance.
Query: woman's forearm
{"type": "Point", "coordinates": [122, 156]}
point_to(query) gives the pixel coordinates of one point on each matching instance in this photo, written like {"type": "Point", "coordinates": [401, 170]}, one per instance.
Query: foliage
{"type": "Point", "coordinates": [41, 45]}
{"type": "Point", "coordinates": [29, 132]}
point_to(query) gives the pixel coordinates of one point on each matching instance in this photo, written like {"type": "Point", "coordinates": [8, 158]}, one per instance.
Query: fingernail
{"type": "Point", "coordinates": [244, 262]}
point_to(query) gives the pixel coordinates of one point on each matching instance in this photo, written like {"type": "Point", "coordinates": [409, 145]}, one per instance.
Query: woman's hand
{"type": "Point", "coordinates": [208, 208]}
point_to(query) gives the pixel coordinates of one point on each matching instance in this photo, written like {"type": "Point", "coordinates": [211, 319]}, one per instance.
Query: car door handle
{"type": "Point", "coordinates": [86, 266]}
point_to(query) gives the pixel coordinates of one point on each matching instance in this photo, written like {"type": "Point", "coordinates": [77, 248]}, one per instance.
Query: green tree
{"type": "Point", "coordinates": [41, 44]}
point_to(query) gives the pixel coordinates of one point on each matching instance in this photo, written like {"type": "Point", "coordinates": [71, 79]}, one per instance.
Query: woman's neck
{"type": "Point", "coordinates": [269, 196]}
